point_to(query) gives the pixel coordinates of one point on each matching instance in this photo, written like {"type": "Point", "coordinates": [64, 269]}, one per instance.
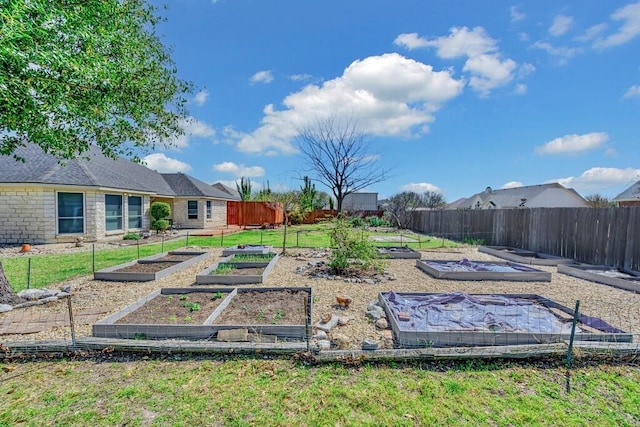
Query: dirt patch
{"type": "Point", "coordinates": [249, 271]}
{"type": "Point", "coordinates": [192, 308]}
{"type": "Point", "coordinates": [284, 307]}
{"type": "Point", "coordinates": [147, 267]}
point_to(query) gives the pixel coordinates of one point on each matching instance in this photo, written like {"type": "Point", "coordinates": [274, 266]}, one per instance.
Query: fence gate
{"type": "Point", "coordinates": [232, 213]}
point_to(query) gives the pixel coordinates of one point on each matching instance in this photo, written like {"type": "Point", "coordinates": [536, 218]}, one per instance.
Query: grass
{"type": "Point", "coordinates": [51, 269]}
{"type": "Point", "coordinates": [281, 392]}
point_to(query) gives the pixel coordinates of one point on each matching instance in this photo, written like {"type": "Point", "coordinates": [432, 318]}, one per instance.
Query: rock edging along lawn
{"type": "Point", "coordinates": [112, 273]}
{"type": "Point", "coordinates": [206, 276]}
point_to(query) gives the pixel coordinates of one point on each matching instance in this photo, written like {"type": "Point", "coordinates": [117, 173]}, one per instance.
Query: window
{"type": "Point", "coordinates": [135, 211]}
{"type": "Point", "coordinates": [208, 209]}
{"type": "Point", "coordinates": [113, 212]}
{"type": "Point", "coordinates": [192, 209]}
{"type": "Point", "coordinates": [70, 213]}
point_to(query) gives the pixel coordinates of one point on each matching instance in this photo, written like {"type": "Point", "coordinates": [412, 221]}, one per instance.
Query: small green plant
{"type": "Point", "coordinates": [192, 306]}
{"type": "Point", "coordinates": [315, 298]}
{"type": "Point", "coordinates": [187, 319]}
{"type": "Point", "coordinates": [260, 314]}
{"type": "Point", "coordinates": [351, 249]}
{"type": "Point", "coordinates": [140, 336]}
{"type": "Point", "coordinates": [375, 221]}
{"type": "Point", "coordinates": [472, 241]}
{"type": "Point", "coordinates": [279, 315]}
{"type": "Point", "coordinates": [183, 297]}
{"type": "Point", "coordinates": [131, 236]}
{"type": "Point", "coordinates": [172, 318]}
{"type": "Point", "coordinates": [356, 221]}
{"type": "Point", "coordinates": [217, 295]}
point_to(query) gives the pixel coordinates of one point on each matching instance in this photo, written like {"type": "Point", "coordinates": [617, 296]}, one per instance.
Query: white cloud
{"type": "Point", "coordinates": [300, 77]}
{"type": "Point", "coordinates": [201, 97]}
{"type": "Point", "coordinates": [562, 53]}
{"type": "Point", "coordinates": [192, 128]}
{"type": "Point", "coordinates": [163, 164]}
{"type": "Point", "coordinates": [599, 179]}
{"type": "Point", "coordinates": [523, 37]}
{"type": "Point", "coordinates": [386, 95]}
{"type": "Point", "coordinates": [487, 68]}
{"type": "Point", "coordinates": [561, 24]}
{"type": "Point", "coordinates": [265, 76]}
{"type": "Point", "coordinates": [410, 41]}
{"type": "Point", "coordinates": [255, 186]}
{"type": "Point", "coordinates": [421, 187]}
{"type": "Point", "coordinates": [239, 170]}
{"type": "Point", "coordinates": [592, 32]}
{"type": "Point", "coordinates": [521, 89]}
{"type": "Point", "coordinates": [515, 14]}
{"type": "Point", "coordinates": [573, 143]}
{"type": "Point", "coordinates": [629, 15]}
{"type": "Point", "coordinates": [632, 92]}
{"type": "Point", "coordinates": [512, 184]}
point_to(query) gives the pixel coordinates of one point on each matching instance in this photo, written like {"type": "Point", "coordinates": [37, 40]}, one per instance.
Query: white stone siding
{"type": "Point", "coordinates": [22, 215]}
{"type": "Point", "coordinates": [218, 214]}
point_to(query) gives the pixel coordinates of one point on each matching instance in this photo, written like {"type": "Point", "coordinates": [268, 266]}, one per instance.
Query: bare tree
{"type": "Point", "coordinates": [7, 295]}
{"type": "Point", "coordinates": [401, 206]}
{"type": "Point", "coordinates": [598, 201]}
{"type": "Point", "coordinates": [337, 152]}
{"type": "Point", "coordinates": [433, 200]}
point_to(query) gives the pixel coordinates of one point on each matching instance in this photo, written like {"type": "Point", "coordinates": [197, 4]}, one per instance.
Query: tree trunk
{"type": "Point", "coordinates": [7, 296]}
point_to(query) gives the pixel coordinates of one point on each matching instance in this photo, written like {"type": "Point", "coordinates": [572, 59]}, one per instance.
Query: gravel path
{"type": "Point", "coordinates": [618, 307]}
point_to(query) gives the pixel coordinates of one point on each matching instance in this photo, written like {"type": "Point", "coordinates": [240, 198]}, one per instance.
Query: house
{"type": "Point", "coordinates": [358, 202]}
{"type": "Point", "coordinates": [552, 195]}
{"type": "Point", "coordinates": [94, 197]}
{"type": "Point", "coordinates": [629, 197]}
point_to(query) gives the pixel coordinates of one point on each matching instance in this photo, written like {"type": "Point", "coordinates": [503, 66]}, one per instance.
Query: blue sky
{"type": "Point", "coordinates": [453, 96]}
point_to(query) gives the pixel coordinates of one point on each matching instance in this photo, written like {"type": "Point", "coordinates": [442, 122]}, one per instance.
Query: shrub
{"type": "Point", "coordinates": [351, 249]}
{"type": "Point", "coordinates": [159, 224]}
{"type": "Point", "coordinates": [160, 211]}
{"type": "Point", "coordinates": [131, 236]}
{"type": "Point", "coordinates": [375, 221]}
{"type": "Point", "coordinates": [356, 221]}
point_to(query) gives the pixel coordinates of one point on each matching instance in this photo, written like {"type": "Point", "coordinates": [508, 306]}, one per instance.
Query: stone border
{"type": "Point", "coordinates": [524, 256]}
{"type": "Point", "coordinates": [112, 274]}
{"type": "Point", "coordinates": [206, 278]}
{"type": "Point", "coordinates": [108, 328]}
{"type": "Point", "coordinates": [579, 270]}
{"type": "Point", "coordinates": [412, 339]}
{"type": "Point", "coordinates": [533, 275]}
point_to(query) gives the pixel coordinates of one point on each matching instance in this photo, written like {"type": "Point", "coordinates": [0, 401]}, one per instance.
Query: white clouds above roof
{"type": "Point", "coordinates": [192, 128]}
{"type": "Point", "coordinates": [516, 15]}
{"type": "Point", "coordinates": [265, 76]}
{"type": "Point", "coordinates": [387, 95]}
{"type": "Point", "coordinates": [410, 41]}
{"type": "Point", "coordinates": [163, 164]}
{"type": "Point", "coordinates": [512, 184]}
{"type": "Point", "coordinates": [599, 179]}
{"type": "Point", "coordinates": [629, 17]}
{"type": "Point", "coordinates": [573, 143]}
{"type": "Point", "coordinates": [421, 187]}
{"type": "Point", "coordinates": [239, 170]}
{"type": "Point", "coordinates": [561, 24]}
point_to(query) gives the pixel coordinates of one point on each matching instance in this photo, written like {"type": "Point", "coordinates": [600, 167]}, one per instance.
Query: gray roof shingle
{"type": "Point", "coordinates": [631, 193]}
{"type": "Point", "coordinates": [188, 186]}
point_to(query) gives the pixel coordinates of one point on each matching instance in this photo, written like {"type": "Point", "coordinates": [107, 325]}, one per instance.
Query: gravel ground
{"type": "Point", "coordinates": [618, 307]}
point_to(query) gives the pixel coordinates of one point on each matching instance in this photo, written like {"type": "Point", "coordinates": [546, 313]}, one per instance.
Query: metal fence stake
{"type": "Point", "coordinates": [221, 237]}
{"type": "Point", "coordinates": [93, 257]}
{"type": "Point", "coordinates": [71, 322]}
{"type": "Point", "coordinates": [29, 273]}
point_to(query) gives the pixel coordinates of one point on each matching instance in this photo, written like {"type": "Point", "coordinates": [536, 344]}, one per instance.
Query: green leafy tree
{"type": "Point", "coordinates": [81, 72]}
{"type": "Point", "coordinates": [159, 212]}
{"type": "Point", "coordinates": [264, 195]}
{"type": "Point", "coordinates": [244, 188]}
{"type": "Point", "coordinates": [352, 250]}
{"type": "Point", "coordinates": [308, 194]}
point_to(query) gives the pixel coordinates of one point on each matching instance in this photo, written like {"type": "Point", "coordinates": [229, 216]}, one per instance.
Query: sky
{"type": "Point", "coordinates": [451, 96]}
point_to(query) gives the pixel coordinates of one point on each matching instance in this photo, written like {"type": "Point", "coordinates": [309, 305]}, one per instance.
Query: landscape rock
{"type": "Point", "coordinates": [382, 323]}
{"type": "Point", "coordinates": [369, 344]}
{"type": "Point", "coordinates": [68, 288]}
{"type": "Point", "coordinates": [322, 345]}
{"type": "Point", "coordinates": [340, 341]}
{"type": "Point", "coordinates": [31, 294]}
{"type": "Point", "coordinates": [344, 320]}
{"type": "Point", "coordinates": [328, 326]}
{"type": "Point", "coordinates": [5, 307]}
{"type": "Point", "coordinates": [376, 313]}
{"type": "Point", "coordinates": [320, 335]}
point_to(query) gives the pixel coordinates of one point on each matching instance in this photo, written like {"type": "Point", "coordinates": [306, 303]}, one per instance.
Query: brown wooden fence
{"type": "Point", "coordinates": [253, 213]}
{"type": "Point", "coordinates": [601, 236]}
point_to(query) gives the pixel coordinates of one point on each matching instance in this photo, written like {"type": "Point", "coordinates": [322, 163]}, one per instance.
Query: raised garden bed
{"type": "Point", "coordinates": [247, 250]}
{"type": "Point", "coordinates": [238, 272]}
{"type": "Point", "coordinates": [169, 313]}
{"type": "Point", "coordinates": [151, 268]}
{"type": "Point", "coordinates": [397, 252]}
{"type": "Point", "coordinates": [458, 319]}
{"type": "Point", "coordinates": [617, 277]}
{"type": "Point", "coordinates": [482, 270]}
{"type": "Point", "coordinates": [523, 256]}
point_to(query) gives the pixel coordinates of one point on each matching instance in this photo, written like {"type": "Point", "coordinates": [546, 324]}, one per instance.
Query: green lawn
{"type": "Point", "coordinates": [37, 271]}
{"type": "Point", "coordinates": [260, 392]}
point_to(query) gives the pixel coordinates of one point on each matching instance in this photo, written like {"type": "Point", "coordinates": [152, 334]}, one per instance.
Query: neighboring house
{"type": "Point", "coordinates": [551, 195]}
{"type": "Point", "coordinates": [629, 197]}
{"type": "Point", "coordinates": [232, 192]}
{"type": "Point", "coordinates": [93, 197]}
{"type": "Point", "coordinates": [356, 202]}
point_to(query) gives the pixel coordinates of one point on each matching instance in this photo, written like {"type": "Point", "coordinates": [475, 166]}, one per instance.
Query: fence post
{"type": "Point", "coordinates": [187, 238]}
{"type": "Point", "coordinates": [29, 273]}
{"type": "Point", "coordinates": [71, 322]}
{"type": "Point", "coordinates": [221, 238]}
{"type": "Point", "coordinates": [93, 257]}
{"type": "Point", "coordinates": [261, 233]}
{"type": "Point", "coordinates": [138, 249]}
{"type": "Point", "coordinates": [298, 239]}
{"type": "Point", "coordinates": [569, 361]}
{"type": "Point", "coordinates": [162, 244]}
